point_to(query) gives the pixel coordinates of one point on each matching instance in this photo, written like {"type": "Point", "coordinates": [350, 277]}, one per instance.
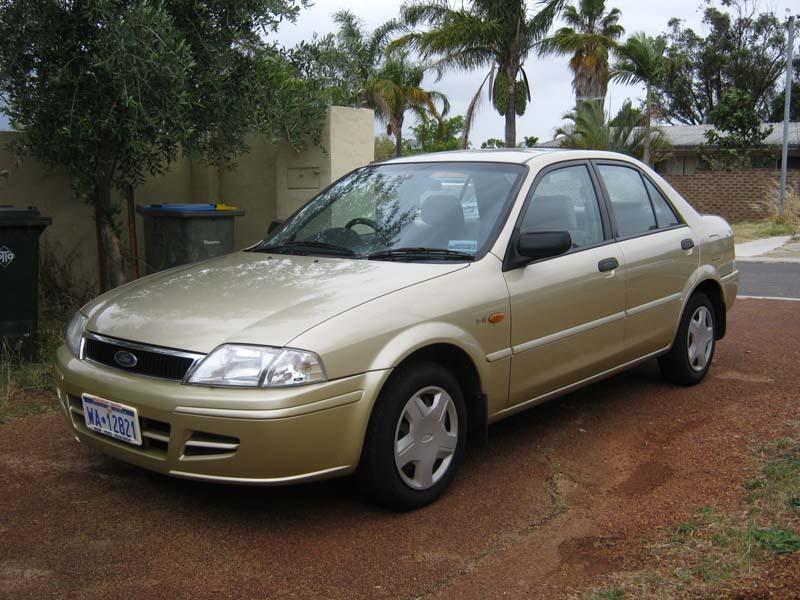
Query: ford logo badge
{"type": "Point", "coordinates": [125, 359]}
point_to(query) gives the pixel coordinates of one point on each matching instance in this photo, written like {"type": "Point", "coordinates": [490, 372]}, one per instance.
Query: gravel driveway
{"type": "Point", "coordinates": [563, 495]}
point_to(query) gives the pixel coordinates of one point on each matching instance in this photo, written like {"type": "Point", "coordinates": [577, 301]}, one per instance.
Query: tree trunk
{"type": "Point", "coordinates": [511, 110]}
{"type": "Point", "coordinates": [646, 143]}
{"type": "Point", "coordinates": [109, 255]}
{"type": "Point", "coordinates": [134, 243]}
{"type": "Point", "coordinates": [398, 137]}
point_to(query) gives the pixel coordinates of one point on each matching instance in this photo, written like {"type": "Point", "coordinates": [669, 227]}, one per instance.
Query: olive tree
{"type": "Point", "coordinates": [111, 91]}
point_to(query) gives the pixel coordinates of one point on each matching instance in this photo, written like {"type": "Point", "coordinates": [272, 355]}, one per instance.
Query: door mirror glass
{"type": "Point", "coordinates": [543, 244]}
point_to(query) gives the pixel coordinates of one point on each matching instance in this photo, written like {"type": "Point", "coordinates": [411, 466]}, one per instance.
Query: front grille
{"type": "Point", "coordinates": [152, 362]}
{"type": "Point", "coordinates": [155, 434]}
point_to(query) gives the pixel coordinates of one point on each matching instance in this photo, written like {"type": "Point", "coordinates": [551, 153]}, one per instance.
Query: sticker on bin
{"type": "Point", "coordinates": [6, 256]}
{"type": "Point", "coordinates": [112, 419]}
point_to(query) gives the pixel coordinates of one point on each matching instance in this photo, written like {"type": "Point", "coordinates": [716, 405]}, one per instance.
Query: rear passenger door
{"type": "Point", "coordinates": [659, 251]}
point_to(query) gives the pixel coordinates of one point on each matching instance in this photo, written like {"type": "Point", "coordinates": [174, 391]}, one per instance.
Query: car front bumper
{"type": "Point", "coordinates": [245, 436]}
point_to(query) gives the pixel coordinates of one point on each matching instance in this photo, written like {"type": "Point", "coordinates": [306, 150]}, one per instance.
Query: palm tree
{"type": "Point", "coordinates": [396, 89]}
{"type": "Point", "coordinates": [590, 130]}
{"type": "Point", "coordinates": [493, 34]}
{"type": "Point", "coordinates": [641, 61]}
{"type": "Point", "coordinates": [589, 36]}
{"type": "Point", "coordinates": [361, 50]}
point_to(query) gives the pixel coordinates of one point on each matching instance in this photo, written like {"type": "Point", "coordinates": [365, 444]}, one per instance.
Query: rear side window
{"type": "Point", "coordinates": [565, 200]}
{"type": "Point", "coordinates": [629, 200]}
{"type": "Point", "coordinates": [664, 214]}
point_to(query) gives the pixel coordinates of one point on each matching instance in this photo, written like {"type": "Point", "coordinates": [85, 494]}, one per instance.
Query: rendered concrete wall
{"type": "Point", "coordinates": [270, 181]}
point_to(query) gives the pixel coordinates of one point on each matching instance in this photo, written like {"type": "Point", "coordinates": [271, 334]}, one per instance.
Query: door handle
{"type": "Point", "coordinates": [687, 244]}
{"type": "Point", "coordinates": [607, 264]}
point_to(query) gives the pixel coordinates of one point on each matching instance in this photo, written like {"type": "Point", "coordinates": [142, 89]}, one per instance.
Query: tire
{"type": "Point", "coordinates": [416, 437]}
{"type": "Point", "coordinates": [692, 351]}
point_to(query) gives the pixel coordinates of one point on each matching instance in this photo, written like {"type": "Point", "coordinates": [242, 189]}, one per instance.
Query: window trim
{"type": "Point", "coordinates": [510, 258]}
{"type": "Point", "coordinates": [675, 213]}
{"type": "Point", "coordinates": [610, 208]}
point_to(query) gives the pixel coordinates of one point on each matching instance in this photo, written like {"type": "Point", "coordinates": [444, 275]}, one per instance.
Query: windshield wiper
{"type": "Point", "coordinates": [411, 253]}
{"type": "Point", "coordinates": [310, 244]}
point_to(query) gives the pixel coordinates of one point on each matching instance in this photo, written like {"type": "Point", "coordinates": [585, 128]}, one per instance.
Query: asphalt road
{"type": "Point", "coordinates": [565, 494]}
{"type": "Point", "coordinates": [777, 280]}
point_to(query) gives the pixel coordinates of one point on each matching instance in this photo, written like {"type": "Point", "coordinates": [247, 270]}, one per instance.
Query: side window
{"type": "Point", "coordinates": [565, 199]}
{"type": "Point", "coordinates": [664, 214]}
{"type": "Point", "coordinates": [629, 200]}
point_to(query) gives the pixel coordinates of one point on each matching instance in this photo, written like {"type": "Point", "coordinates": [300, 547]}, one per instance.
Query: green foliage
{"type": "Point", "coordinates": [589, 129]}
{"type": "Point", "coordinates": [433, 135]}
{"type": "Point", "coordinates": [385, 147]}
{"type": "Point", "coordinates": [589, 37]}
{"type": "Point", "coordinates": [528, 142]}
{"type": "Point", "coordinates": [738, 134]}
{"type": "Point", "coordinates": [778, 539]}
{"type": "Point", "coordinates": [742, 48]}
{"type": "Point", "coordinates": [497, 36]}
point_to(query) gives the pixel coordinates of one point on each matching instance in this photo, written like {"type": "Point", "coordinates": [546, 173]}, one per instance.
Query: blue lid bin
{"type": "Point", "coordinates": [179, 234]}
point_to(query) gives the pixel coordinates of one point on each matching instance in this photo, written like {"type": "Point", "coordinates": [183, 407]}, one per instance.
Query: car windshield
{"type": "Point", "coordinates": [409, 212]}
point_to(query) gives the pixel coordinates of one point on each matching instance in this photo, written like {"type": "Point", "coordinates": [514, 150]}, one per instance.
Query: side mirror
{"type": "Point", "coordinates": [543, 244]}
{"type": "Point", "coordinates": [274, 225]}
{"type": "Point", "coordinates": [535, 245]}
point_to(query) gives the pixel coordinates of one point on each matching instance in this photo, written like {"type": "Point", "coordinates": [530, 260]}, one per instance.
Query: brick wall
{"type": "Point", "coordinates": [734, 195]}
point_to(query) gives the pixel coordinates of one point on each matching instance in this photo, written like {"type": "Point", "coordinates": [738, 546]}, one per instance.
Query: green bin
{"type": "Point", "coordinates": [178, 234]}
{"type": "Point", "coordinates": [20, 229]}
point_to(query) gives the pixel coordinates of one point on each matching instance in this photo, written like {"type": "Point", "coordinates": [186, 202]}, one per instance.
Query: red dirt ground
{"type": "Point", "coordinates": [565, 494]}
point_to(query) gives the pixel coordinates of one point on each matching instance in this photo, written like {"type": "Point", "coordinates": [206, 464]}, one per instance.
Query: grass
{"type": "Point", "coordinates": [747, 231]}
{"type": "Point", "coordinates": [28, 387]}
{"type": "Point", "coordinates": [712, 549]}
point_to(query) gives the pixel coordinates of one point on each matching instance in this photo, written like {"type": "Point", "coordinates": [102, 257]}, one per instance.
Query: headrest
{"type": "Point", "coordinates": [551, 211]}
{"type": "Point", "coordinates": [439, 210]}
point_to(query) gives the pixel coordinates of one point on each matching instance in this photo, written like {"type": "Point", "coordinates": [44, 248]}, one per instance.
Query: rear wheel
{"type": "Point", "coordinates": [692, 351]}
{"type": "Point", "coordinates": [416, 437]}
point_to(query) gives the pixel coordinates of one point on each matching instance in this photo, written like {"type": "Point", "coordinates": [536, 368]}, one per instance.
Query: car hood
{"type": "Point", "coordinates": [247, 297]}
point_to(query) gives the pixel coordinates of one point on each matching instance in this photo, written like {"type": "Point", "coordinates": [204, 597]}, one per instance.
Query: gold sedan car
{"type": "Point", "coordinates": [383, 326]}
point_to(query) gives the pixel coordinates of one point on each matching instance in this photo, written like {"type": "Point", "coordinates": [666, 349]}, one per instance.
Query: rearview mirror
{"type": "Point", "coordinates": [543, 244]}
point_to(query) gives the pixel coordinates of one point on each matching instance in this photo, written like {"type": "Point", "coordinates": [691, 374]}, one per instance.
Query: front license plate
{"type": "Point", "coordinates": [112, 419]}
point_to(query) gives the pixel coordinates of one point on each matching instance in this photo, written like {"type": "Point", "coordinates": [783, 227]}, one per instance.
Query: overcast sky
{"type": "Point", "coordinates": [551, 80]}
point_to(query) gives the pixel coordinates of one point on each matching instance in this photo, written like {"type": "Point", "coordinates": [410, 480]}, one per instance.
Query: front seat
{"type": "Point", "coordinates": [443, 220]}
{"type": "Point", "coordinates": [445, 215]}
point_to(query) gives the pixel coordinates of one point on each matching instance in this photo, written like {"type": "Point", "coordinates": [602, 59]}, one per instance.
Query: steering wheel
{"type": "Point", "coordinates": [361, 221]}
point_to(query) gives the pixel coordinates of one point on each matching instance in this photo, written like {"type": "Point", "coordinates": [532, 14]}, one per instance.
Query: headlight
{"type": "Point", "coordinates": [74, 333]}
{"type": "Point", "coordinates": [240, 365]}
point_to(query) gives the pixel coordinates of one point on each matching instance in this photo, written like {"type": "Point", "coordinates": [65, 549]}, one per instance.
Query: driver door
{"type": "Point", "coordinates": [567, 311]}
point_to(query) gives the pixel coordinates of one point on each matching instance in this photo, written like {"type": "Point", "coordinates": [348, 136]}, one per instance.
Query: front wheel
{"type": "Point", "coordinates": [690, 357]}
{"type": "Point", "coordinates": [416, 437]}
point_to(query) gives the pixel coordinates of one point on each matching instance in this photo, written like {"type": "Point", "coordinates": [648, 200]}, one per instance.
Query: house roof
{"type": "Point", "coordinates": [692, 136]}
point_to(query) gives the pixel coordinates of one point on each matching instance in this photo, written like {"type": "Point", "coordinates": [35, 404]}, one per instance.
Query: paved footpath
{"type": "Point", "coordinates": [564, 494]}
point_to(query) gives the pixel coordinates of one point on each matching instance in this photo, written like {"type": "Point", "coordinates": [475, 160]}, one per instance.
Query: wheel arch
{"type": "Point", "coordinates": [461, 362]}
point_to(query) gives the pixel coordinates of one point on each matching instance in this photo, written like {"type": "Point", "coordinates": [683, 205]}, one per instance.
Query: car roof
{"type": "Point", "coordinates": [504, 155]}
